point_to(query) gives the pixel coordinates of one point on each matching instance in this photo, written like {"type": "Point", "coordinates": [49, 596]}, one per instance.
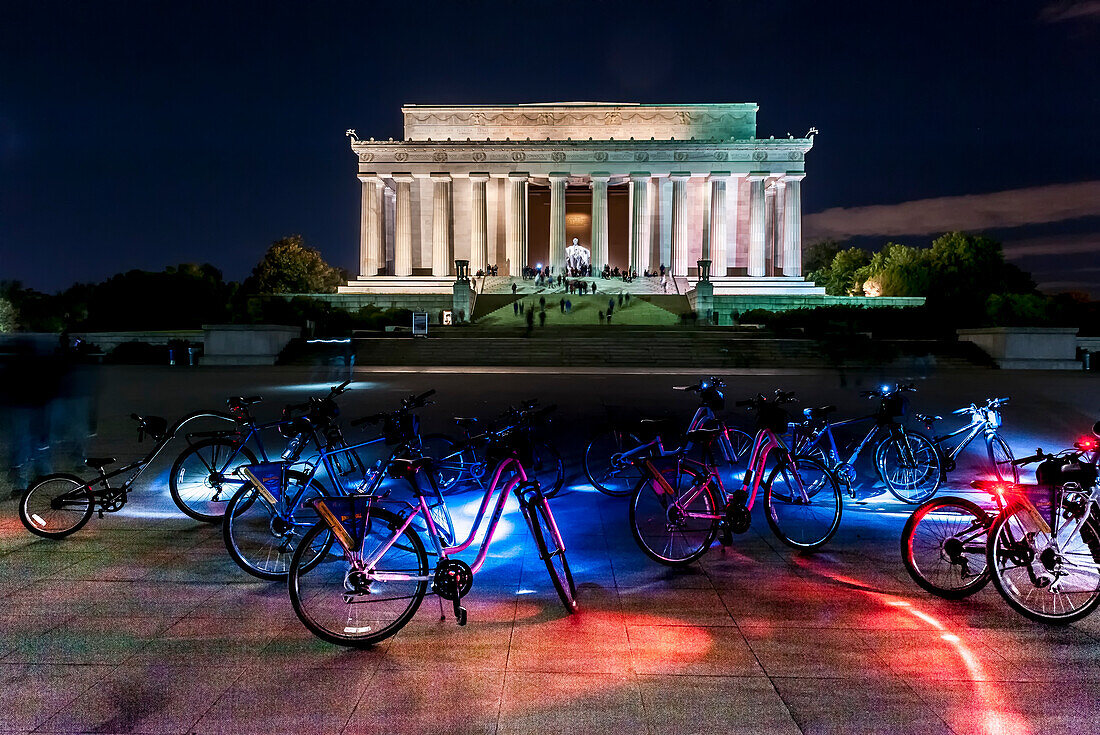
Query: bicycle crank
{"type": "Point", "coordinates": [453, 580]}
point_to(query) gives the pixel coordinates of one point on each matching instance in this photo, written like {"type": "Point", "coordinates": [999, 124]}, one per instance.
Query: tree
{"type": "Point", "coordinates": [896, 270]}
{"type": "Point", "coordinates": [289, 266]}
{"type": "Point", "coordinates": [839, 278]}
{"type": "Point", "coordinates": [8, 316]}
{"type": "Point", "coordinates": [819, 255]}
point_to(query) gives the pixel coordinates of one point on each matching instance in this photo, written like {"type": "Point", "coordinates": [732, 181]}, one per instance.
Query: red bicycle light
{"type": "Point", "coordinates": [1086, 442]}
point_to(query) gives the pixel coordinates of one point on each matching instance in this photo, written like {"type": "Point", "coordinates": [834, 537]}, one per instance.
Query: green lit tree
{"type": "Point", "coordinates": [8, 316]}
{"type": "Point", "coordinates": [290, 266]}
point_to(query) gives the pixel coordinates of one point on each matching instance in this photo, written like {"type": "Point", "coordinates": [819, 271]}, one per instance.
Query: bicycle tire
{"type": "Point", "coordinates": [541, 522]}
{"type": "Point", "coordinates": [548, 468]}
{"type": "Point", "coordinates": [450, 465]}
{"type": "Point", "coordinates": [275, 563]}
{"type": "Point", "coordinates": [1011, 589]}
{"type": "Point", "coordinates": [650, 511]}
{"type": "Point", "coordinates": [32, 517]}
{"type": "Point", "coordinates": [818, 491]}
{"type": "Point", "coordinates": [196, 507]}
{"type": "Point", "coordinates": [597, 464]}
{"type": "Point", "coordinates": [928, 464]}
{"type": "Point", "coordinates": [998, 464]}
{"type": "Point", "coordinates": [946, 547]}
{"type": "Point", "coordinates": [359, 636]}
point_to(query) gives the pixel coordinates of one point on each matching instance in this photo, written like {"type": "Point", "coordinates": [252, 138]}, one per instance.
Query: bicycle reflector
{"type": "Point", "coordinates": [1085, 443]}
{"type": "Point", "coordinates": [346, 517]}
{"type": "Point", "coordinates": [267, 478]}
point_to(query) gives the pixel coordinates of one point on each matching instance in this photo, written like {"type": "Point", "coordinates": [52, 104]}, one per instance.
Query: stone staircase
{"type": "Point", "coordinates": [639, 286]}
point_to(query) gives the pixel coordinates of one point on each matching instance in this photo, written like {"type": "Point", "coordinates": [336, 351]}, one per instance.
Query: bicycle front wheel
{"type": "Point", "coordinates": [55, 506]}
{"type": "Point", "coordinates": [1000, 460]}
{"type": "Point", "coordinates": [202, 479]}
{"type": "Point", "coordinates": [342, 603]}
{"type": "Point", "coordinates": [548, 468]}
{"type": "Point", "coordinates": [674, 529]}
{"type": "Point", "coordinates": [551, 548]}
{"type": "Point", "coordinates": [1047, 577]}
{"type": "Point", "coordinates": [803, 503]}
{"type": "Point", "coordinates": [943, 547]}
{"type": "Point", "coordinates": [604, 466]}
{"type": "Point", "coordinates": [261, 537]}
{"type": "Point", "coordinates": [910, 466]}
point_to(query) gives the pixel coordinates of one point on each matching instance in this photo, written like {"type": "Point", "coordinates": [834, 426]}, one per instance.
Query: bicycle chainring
{"type": "Point", "coordinates": [846, 473]}
{"type": "Point", "coordinates": [112, 502]}
{"type": "Point", "coordinates": [453, 579]}
{"type": "Point", "coordinates": [738, 518]}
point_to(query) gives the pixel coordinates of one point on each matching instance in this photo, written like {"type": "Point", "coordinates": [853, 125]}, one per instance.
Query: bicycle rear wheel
{"type": "Point", "coordinates": [943, 547]}
{"type": "Point", "coordinates": [678, 529]}
{"type": "Point", "coordinates": [910, 466]}
{"type": "Point", "coordinates": [551, 548]}
{"type": "Point", "coordinates": [352, 607]}
{"type": "Point", "coordinates": [604, 467]}
{"type": "Point", "coordinates": [450, 462]}
{"type": "Point", "coordinates": [1041, 576]}
{"type": "Point", "coordinates": [202, 479]}
{"type": "Point", "coordinates": [55, 506]}
{"type": "Point", "coordinates": [261, 538]}
{"type": "Point", "coordinates": [1000, 460]}
{"type": "Point", "coordinates": [803, 522]}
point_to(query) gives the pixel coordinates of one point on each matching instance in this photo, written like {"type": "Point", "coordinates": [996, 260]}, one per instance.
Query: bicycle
{"type": "Point", "coordinates": [680, 505]}
{"type": "Point", "coordinates": [268, 516]}
{"type": "Point", "coordinates": [57, 505]}
{"type": "Point", "coordinates": [608, 458]}
{"type": "Point", "coordinates": [984, 420]}
{"type": "Point", "coordinates": [374, 573]}
{"type": "Point", "coordinates": [464, 460]}
{"type": "Point", "coordinates": [945, 542]}
{"type": "Point", "coordinates": [907, 461]}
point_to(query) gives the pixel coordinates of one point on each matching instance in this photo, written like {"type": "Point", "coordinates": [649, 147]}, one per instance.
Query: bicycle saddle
{"type": "Point", "coordinates": [239, 401]}
{"type": "Point", "coordinates": [818, 413]}
{"type": "Point", "coordinates": [926, 418]}
{"type": "Point", "coordinates": [406, 468]}
{"type": "Point", "coordinates": [98, 463]}
{"type": "Point", "coordinates": [703, 436]}
{"type": "Point", "coordinates": [465, 421]}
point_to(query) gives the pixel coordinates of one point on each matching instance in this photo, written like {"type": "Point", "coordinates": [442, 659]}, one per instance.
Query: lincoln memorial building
{"type": "Point", "coordinates": [636, 186]}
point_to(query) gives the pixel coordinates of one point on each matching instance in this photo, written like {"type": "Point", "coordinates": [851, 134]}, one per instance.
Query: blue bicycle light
{"type": "Point", "coordinates": [885, 388]}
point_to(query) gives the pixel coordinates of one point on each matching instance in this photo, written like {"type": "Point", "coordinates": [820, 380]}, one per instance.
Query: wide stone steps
{"type": "Point", "coordinates": [639, 286]}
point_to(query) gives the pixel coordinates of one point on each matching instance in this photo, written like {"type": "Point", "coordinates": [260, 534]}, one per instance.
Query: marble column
{"type": "Point", "coordinates": [757, 257]}
{"type": "Point", "coordinates": [402, 240]}
{"type": "Point", "coordinates": [515, 242]}
{"type": "Point", "coordinates": [372, 255]}
{"type": "Point", "coordinates": [717, 245]}
{"type": "Point", "coordinates": [479, 224]}
{"type": "Point", "coordinates": [599, 221]}
{"type": "Point", "coordinates": [792, 228]}
{"type": "Point", "coordinates": [769, 228]}
{"type": "Point", "coordinates": [680, 216]}
{"type": "Point", "coordinates": [780, 219]}
{"type": "Point", "coordinates": [442, 242]}
{"type": "Point", "coordinates": [557, 222]}
{"type": "Point", "coordinates": [639, 221]}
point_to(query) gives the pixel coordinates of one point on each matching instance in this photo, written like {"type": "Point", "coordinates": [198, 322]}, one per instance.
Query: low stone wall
{"type": "Point", "coordinates": [107, 341]}
{"type": "Point", "coordinates": [725, 304]}
{"type": "Point", "coordinates": [1027, 348]}
{"type": "Point", "coordinates": [432, 303]}
{"type": "Point", "coordinates": [246, 344]}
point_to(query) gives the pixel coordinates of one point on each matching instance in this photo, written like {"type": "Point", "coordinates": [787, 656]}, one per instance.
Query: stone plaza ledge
{"type": "Point", "coordinates": [725, 305]}
{"type": "Point", "coordinates": [1027, 348]}
{"type": "Point", "coordinates": [246, 344]}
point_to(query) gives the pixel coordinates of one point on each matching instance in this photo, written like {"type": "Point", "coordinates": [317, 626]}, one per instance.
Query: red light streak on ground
{"type": "Point", "coordinates": [997, 718]}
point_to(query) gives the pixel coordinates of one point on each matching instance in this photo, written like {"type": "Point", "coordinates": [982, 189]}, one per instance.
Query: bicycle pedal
{"type": "Point", "coordinates": [725, 537]}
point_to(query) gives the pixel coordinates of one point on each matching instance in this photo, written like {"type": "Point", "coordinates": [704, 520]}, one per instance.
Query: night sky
{"type": "Point", "coordinates": [144, 134]}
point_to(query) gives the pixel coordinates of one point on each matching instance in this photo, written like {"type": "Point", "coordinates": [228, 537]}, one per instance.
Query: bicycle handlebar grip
{"type": "Point", "coordinates": [338, 389]}
{"type": "Point", "coordinates": [425, 395]}
{"type": "Point", "coordinates": [135, 417]}
{"type": "Point", "coordinates": [683, 387]}
{"type": "Point", "coordinates": [960, 411]}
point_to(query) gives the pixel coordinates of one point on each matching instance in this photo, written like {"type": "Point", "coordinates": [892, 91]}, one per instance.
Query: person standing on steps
{"type": "Point", "coordinates": [530, 321]}
{"type": "Point", "coordinates": [542, 318]}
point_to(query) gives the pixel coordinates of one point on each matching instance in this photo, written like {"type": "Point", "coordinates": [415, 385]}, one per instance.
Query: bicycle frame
{"type": "Point", "coordinates": [975, 427]}
{"type": "Point", "coordinates": [833, 450]}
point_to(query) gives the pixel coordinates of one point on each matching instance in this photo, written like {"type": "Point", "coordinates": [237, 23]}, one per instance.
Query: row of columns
{"type": "Point", "coordinates": [784, 198]}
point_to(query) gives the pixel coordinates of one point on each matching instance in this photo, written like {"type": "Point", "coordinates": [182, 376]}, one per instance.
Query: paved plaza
{"type": "Point", "coordinates": [141, 623]}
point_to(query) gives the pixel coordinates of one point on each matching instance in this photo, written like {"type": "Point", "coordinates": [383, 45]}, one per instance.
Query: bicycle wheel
{"type": "Point", "coordinates": [943, 547]}
{"type": "Point", "coordinates": [261, 538]}
{"type": "Point", "coordinates": [450, 462]}
{"type": "Point", "coordinates": [548, 468]}
{"type": "Point", "coordinates": [202, 479]}
{"type": "Point", "coordinates": [910, 466]}
{"type": "Point", "coordinates": [674, 530]}
{"type": "Point", "coordinates": [804, 523]}
{"type": "Point", "coordinates": [604, 466]}
{"type": "Point", "coordinates": [1047, 577]}
{"type": "Point", "coordinates": [56, 505]}
{"type": "Point", "coordinates": [1000, 460]}
{"type": "Point", "coordinates": [347, 606]}
{"type": "Point", "coordinates": [551, 548]}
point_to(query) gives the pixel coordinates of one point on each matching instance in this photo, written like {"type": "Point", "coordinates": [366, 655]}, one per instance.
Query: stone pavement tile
{"type": "Point", "coordinates": [215, 642]}
{"type": "Point", "coordinates": [692, 704]}
{"type": "Point", "coordinates": [813, 652]}
{"type": "Point", "coordinates": [30, 693]}
{"type": "Point", "coordinates": [17, 631]}
{"type": "Point", "coordinates": [428, 643]}
{"type": "Point", "coordinates": [33, 564]}
{"type": "Point", "coordinates": [59, 597]}
{"type": "Point", "coordinates": [154, 698]}
{"type": "Point", "coordinates": [201, 568]}
{"type": "Point", "coordinates": [254, 599]}
{"type": "Point", "coordinates": [266, 702]}
{"type": "Point", "coordinates": [540, 703]}
{"type": "Point", "coordinates": [111, 566]}
{"type": "Point", "coordinates": [294, 647]}
{"type": "Point", "coordinates": [149, 599]}
{"type": "Point", "coordinates": [798, 602]}
{"type": "Point", "coordinates": [442, 702]}
{"type": "Point", "coordinates": [869, 705]}
{"type": "Point", "coordinates": [584, 643]}
{"type": "Point", "coordinates": [634, 570]}
{"type": "Point", "coordinates": [979, 708]}
{"type": "Point", "coordinates": [676, 606]}
{"type": "Point", "coordinates": [689, 649]}
{"type": "Point", "coordinates": [923, 655]}
{"type": "Point", "coordinates": [1042, 653]}
{"type": "Point", "coordinates": [83, 640]}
